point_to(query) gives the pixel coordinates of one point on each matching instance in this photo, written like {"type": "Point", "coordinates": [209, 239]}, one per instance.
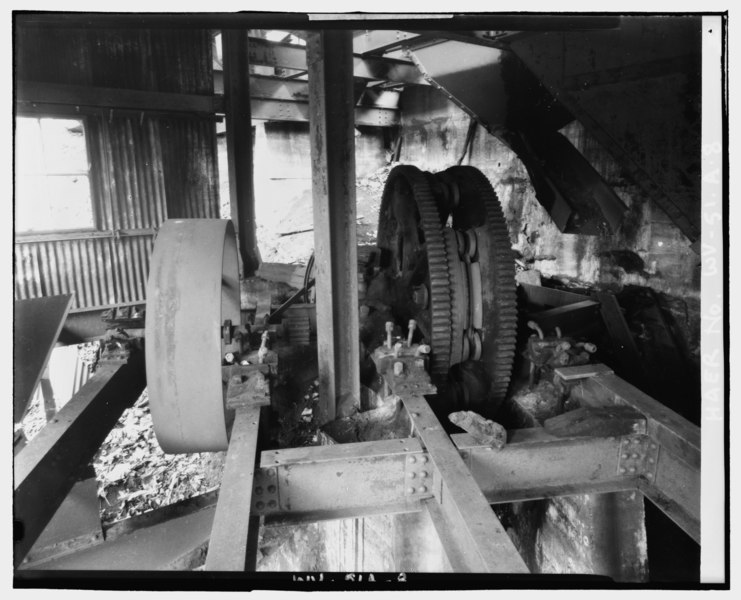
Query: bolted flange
{"type": "Point", "coordinates": [265, 496]}
{"type": "Point", "coordinates": [417, 476]}
{"type": "Point", "coordinates": [638, 456]}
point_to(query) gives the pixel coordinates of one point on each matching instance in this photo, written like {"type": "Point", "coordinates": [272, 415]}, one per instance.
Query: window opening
{"type": "Point", "coordinates": [52, 176]}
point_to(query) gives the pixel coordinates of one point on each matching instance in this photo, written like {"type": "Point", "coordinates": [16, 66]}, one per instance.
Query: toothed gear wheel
{"type": "Point", "coordinates": [459, 300]}
{"type": "Point", "coordinates": [477, 208]}
{"type": "Point", "coordinates": [411, 230]}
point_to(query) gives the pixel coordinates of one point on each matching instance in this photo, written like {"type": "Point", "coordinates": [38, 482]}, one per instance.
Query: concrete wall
{"type": "Point", "coordinates": [282, 171]}
{"type": "Point", "coordinates": [434, 131]}
{"type": "Point", "coordinates": [433, 136]}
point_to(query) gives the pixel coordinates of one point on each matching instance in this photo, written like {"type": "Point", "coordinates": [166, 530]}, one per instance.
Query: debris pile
{"type": "Point", "coordinates": [134, 474]}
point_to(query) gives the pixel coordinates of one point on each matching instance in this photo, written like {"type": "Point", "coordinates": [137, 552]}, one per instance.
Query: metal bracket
{"type": "Point", "coordinates": [638, 456]}
{"type": "Point", "coordinates": [404, 369]}
{"type": "Point", "coordinates": [253, 391]}
{"type": "Point", "coordinates": [419, 476]}
{"type": "Point", "coordinates": [265, 494]}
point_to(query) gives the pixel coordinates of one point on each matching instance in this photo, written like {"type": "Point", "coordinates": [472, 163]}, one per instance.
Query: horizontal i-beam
{"type": "Point", "coordinates": [366, 478]}
{"type": "Point", "coordinates": [46, 469]}
{"type": "Point", "coordinates": [673, 481]}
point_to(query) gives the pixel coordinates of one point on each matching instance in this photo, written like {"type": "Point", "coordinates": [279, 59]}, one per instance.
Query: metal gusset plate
{"type": "Point", "coordinates": [476, 216]}
{"type": "Point", "coordinates": [410, 229]}
{"type": "Point", "coordinates": [193, 288]}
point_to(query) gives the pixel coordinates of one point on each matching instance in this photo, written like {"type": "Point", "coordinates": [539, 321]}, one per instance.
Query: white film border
{"type": "Point", "coordinates": [713, 526]}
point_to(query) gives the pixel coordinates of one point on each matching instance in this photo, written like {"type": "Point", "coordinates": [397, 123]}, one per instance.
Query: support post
{"type": "Point", "coordinates": [239, 145]}
{"type": "Point", "coordinates": [331, 101]}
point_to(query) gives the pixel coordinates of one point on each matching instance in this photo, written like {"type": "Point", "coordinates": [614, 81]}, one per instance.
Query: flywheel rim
{"type": "Point", "coordinates": [193, 288]}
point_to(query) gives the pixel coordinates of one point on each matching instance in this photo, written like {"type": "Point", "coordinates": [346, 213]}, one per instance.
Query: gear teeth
{"type": "Point", "coordinates": [497, 273]}
{"type": "Point", "coordinates": [439, 288]}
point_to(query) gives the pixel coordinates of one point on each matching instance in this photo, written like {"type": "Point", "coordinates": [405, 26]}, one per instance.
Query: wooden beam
{"type": "Point", "coordinates": [30, 92]}
{"type": "Point", "coordinates": [332, 138]}
{"type": "Point", "coordinates": [479, 542]}
{"type": "Point", "coordinates": [271, 98]}
{"type": "Point", "coordinates": [239, 146]}
{"type": "Point", "coordinates": [46, 469]}
{"type": "Point", "coordinates": [230, 534]}
{"type": "Point", "coordinates": [90, 234]}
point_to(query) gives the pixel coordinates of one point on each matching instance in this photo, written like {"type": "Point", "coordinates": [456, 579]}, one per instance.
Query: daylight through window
{"type": "Point", "coordinates": [52, 187]}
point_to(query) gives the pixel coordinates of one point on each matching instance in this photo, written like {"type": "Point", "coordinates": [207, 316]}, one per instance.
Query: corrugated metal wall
{"type": "Point", "coordinates": [143, 168]}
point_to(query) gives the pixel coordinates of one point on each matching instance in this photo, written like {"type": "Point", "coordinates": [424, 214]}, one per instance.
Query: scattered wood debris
{"type": "Point", "coordinates": [134, 474]}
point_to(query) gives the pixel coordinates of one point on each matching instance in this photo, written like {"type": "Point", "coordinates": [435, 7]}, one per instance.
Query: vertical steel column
{"type": "Point", "coordinates": [239, 144]}
{"type": "Point", "coordinates": [331, 125]}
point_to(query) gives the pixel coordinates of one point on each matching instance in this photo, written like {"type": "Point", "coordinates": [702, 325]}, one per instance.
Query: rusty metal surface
{"type": "Point", "coordinates": [480, 542]}
{"type": "Point", "coordinates": [175, 544]}
{"type": "Point", "coordinates": [230, 534]}
{"type": "Point", "coordinates": [354, 477]}
{"type": "Point", "coordinates": [37, 324]}
{"type": "Point", "coordinates": [193, 288]}
{"type": "Point", "coordinates": [75, 525]}
{"type": "Point", "coordinates": [46, 468]}
{"type": "Point", "coordinates": [469, 75]}
{"type": "Point", "coordinates": [647, 118]}
{"type": "Point", "coordinates": [667, 460]}
{"type": "Point", "coordinates": [542, 466]}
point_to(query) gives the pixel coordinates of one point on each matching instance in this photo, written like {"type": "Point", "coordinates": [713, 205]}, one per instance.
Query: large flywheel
{"type": "Point", "coordinates": [192, 296]}
{"type": "Point", "coordinates": [452, 269]}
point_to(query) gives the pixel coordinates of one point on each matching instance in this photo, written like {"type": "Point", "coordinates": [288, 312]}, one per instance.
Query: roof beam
{"type": "Point", "coordinates": [293, 56]}
{"type": "Point", "coordinates": [284, 100]}
{"type": "Point", "coordinates": [378, 41]}
{"type": "Point", "coordinates": [29, 93]}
